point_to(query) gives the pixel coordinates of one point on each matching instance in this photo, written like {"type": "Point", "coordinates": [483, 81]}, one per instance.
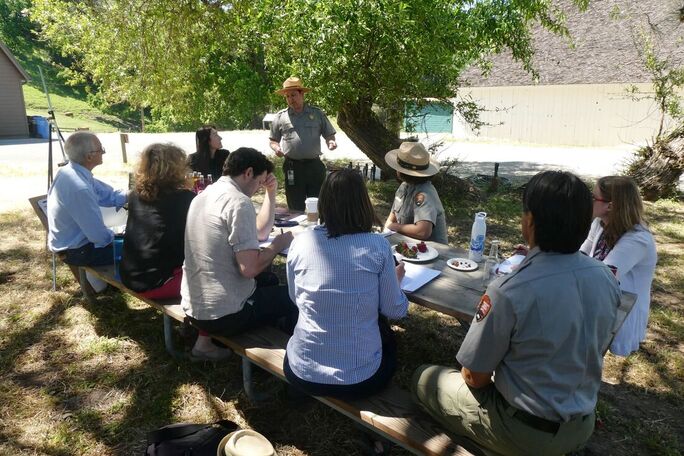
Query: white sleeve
{"type": "Point", "coordinates": [631, 249]}
{"type": "Point", "coordinates": [590, 242]}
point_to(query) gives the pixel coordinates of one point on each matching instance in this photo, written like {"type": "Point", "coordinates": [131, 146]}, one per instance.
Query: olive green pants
{"type": "Point", "coordinates": [483, 416]}
{"type": "Point", "coordinates": [303, 179]}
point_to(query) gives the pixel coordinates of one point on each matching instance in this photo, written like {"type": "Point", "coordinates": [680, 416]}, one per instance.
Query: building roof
{"type": "Point", "coordinates": [11, 58]}
{"type": "Point", "coordinates": [603, 48]}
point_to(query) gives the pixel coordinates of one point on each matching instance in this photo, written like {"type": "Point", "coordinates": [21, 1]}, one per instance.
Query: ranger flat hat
{"type": "Point", "coordinates": [292, 83]}
{"type": "Point", "coordinates": [413, 159]}
{"type": "Point", "coordinates": [245, 442]}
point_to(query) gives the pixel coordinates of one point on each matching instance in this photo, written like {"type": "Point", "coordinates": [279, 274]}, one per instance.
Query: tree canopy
{"type": "Point", "coordinates": [194, 61]}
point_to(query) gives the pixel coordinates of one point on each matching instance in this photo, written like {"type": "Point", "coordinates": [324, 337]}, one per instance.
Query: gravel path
{"type": "Point", "coordinates": [23, 163]}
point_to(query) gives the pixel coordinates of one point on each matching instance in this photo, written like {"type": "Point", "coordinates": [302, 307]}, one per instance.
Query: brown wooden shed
{"type": "Point", "coordinates": [12, 108]}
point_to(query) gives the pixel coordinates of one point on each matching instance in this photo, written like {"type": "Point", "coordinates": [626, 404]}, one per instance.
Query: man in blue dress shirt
{"type": "Point", "coordinates": [76, 228]}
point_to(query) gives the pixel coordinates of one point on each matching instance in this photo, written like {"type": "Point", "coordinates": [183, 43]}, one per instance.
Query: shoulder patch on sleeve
{"type": "Point", "coordinates": [483, 308]}
{"type": "Point", "coordinates": [419, 199]}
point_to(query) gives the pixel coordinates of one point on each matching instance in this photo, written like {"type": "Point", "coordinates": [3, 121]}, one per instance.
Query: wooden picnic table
{"type": "Point", "coordinates": [454, 293]}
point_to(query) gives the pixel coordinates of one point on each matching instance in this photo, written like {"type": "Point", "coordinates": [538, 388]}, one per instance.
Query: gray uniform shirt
{"type": "Point", "coordinates": [543, 330]}
{"type": "Point", "coordinates": [410, 208]}
{"type": "Point", "coordinates": [221, 222]}
{"type": "Point", "coordinates": [300, 134]}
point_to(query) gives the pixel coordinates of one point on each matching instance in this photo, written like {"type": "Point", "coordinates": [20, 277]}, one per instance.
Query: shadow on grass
{"type": "Point", "coordinates": [629, 425]}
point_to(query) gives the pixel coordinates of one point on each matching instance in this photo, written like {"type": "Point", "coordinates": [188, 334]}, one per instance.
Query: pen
{"type": "Point", "coordinates": [281, 231]}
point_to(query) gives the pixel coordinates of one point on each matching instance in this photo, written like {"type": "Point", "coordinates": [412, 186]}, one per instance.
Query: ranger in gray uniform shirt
{"type": "Point", "coordinates": [296, 134]}
{"type": "Point", "coordinates": [542, 330]}
{"type": "Point", "coordinates": [417, 210]}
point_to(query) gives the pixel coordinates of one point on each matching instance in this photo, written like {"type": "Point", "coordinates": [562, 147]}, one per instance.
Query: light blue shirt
{"type": "Point", "coordinates": [73, 209]}
{"type": "Point", "coordinates": [340, 285]}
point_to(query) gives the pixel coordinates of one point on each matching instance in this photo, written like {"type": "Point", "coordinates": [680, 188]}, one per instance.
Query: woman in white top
{"type": "Point", "coordinates": [621, 239]}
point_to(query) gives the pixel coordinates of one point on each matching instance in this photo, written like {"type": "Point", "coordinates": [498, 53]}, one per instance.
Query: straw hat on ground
{"type": "Point", "coordinates": [413, 159]}
{"type": "Point", "coordinates": [292, 83]}
{"type": "Point", "coordinates": [245, 442]}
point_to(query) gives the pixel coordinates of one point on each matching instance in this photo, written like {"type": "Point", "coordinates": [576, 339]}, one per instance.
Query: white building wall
{"type": "Point", "coordinates": [577, 115]}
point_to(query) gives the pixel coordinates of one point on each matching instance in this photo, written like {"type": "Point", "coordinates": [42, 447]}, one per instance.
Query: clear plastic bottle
{"type": "Point", "coordinates": [477, 237]}
{"type": "Point", "coordinates": [491, 263]}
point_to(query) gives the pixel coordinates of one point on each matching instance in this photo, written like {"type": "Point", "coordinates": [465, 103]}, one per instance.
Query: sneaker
{"type": "Point", "coordinates": [219, 354]}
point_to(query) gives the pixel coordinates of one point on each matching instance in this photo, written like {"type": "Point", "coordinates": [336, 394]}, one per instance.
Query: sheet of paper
{"type": "Point", "coordinates": [299, 218]}
{"type": "Point", "coordinates": [417, 276]}
{"type": "Point", "coordinates": [511, 264]}
{"type": "Point", "coordinates": [268, 242]}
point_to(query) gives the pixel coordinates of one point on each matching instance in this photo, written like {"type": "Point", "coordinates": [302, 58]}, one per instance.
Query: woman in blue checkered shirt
{"type": "Point", "coordinates": [345, 283]}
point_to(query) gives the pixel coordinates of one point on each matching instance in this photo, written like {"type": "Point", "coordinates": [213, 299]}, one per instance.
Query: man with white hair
{"type": "Point", "coordinates": [76, 228]}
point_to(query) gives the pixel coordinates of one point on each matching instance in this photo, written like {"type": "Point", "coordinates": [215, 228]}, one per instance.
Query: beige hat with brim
{"type": "Point", "coordinates": [292, 83]}
{"type": "Point", "coordinates": [245, 442]}
{"type": "Point", "coordinates": [413, 159]}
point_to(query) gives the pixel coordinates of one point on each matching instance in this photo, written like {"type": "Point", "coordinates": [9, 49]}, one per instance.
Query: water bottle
{"type": "Point", "coordinates": [477, 237]}
{"type": "Point", "coordinates": [491, 263]}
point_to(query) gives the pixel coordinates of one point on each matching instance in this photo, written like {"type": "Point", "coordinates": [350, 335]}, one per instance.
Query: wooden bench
{"type": "Point", "coordinates": [391, 414]}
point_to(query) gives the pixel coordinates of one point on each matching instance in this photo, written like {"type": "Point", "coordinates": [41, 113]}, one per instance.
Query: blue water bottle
{"type": "Point", "coordinates": [118, 250]}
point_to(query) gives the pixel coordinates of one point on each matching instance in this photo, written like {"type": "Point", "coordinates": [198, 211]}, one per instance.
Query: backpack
{"type": "Point", "coordinates": [188, 439]}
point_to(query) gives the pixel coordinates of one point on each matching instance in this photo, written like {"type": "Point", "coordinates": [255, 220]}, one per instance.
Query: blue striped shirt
{"type": "Point", "coordinates": [73, 209]}
{"type": "Point", "coordinates": [340, 285]}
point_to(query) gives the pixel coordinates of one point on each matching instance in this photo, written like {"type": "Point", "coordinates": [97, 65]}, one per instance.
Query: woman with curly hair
{"type": "Point", "coordinates": [157, 207]}
{"type": "Point", "coordinates": [210, 157]}
{"type": "Point", "coordinates": [621, 239]}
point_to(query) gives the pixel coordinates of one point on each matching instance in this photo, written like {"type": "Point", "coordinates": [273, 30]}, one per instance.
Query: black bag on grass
{"type": "Point", "coordinates": [188, 439]}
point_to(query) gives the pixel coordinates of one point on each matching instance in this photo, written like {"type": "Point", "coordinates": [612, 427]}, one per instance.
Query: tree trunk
{"type": "Point", "coordinates": [363, 127]}
{"type": "Point", "coordinates": [657, 168]}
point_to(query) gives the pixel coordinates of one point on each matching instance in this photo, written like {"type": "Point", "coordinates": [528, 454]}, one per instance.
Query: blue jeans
{"type": "Point", "coordinates": [88, 255]}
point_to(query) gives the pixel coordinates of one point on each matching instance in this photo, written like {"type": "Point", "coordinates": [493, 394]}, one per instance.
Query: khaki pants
{"type": "Point", "coordinates": [485, 417]}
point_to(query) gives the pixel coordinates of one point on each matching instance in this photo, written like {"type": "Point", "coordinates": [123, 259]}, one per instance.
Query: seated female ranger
{"type": "Point", "coordinates": [620, 238]}
{"type": "Point", "coordinates": [417, 210]}
{"type": "Point", "coordinates": [157, 207]}
{"type": "Point", "coordinates": [210, 157]}
{"type": "Point", "coordinates": [344, 281]}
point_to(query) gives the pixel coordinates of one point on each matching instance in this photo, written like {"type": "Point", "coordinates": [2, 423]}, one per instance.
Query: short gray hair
{"type": "Point", "coordinates": [78, 145]}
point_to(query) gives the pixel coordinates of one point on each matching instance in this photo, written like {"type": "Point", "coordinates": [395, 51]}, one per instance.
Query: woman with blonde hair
{"type": "Point", "coordinates": [157, 208]}
{"type": "Point", "coordinates": [621, 239]}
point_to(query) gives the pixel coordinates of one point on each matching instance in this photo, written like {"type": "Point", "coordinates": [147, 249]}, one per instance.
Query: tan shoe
{"type": "Point", "coordinates": [218, 354]}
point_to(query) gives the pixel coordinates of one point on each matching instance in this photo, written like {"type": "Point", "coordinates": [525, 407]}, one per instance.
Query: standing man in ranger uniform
{"type": "Point", "coordinates": [542, 330]}
{"type": "Point", "coordinates": [295, 134]}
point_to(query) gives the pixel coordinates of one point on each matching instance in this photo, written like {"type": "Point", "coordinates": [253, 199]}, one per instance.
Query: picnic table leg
{"type": "Point", "coordinates": [54, 272]}
{"type": "Point", "coordinates": [247, 382]}
{"type": "Point", "coordinates": [87, 290]}
{"type": "Point", "coordinates": [168, 338]}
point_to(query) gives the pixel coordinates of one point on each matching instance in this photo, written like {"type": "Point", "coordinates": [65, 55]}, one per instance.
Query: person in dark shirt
{"type": "Point", "coordinates": [153, 249]}
{"type": "Point", "coordinates": [210, 157]}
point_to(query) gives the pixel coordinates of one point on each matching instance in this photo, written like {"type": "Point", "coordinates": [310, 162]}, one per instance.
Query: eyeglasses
{"type": "Point", "coordinates": [101, 150]}
{"type": "Point", "coordinates": [600, 199]}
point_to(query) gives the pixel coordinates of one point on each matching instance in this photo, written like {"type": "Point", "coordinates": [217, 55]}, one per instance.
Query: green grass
{"type": "Point", "coordinates": [82, 379]}
{"type": "Point", "coordinates": [84, 115]}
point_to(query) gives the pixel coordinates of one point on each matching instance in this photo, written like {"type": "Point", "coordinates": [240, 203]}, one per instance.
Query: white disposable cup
{"type": "Point", "coordinates": [311, 210]}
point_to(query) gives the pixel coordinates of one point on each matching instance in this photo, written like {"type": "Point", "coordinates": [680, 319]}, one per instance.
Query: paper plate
{"type": "Point", "coordinates": [421, 257]}
{"type": "Point", "coordinates": [462, 264]}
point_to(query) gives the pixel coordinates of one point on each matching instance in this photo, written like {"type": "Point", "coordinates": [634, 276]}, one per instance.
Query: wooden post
{"type": "Point", "coordinates": [124, 139]}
